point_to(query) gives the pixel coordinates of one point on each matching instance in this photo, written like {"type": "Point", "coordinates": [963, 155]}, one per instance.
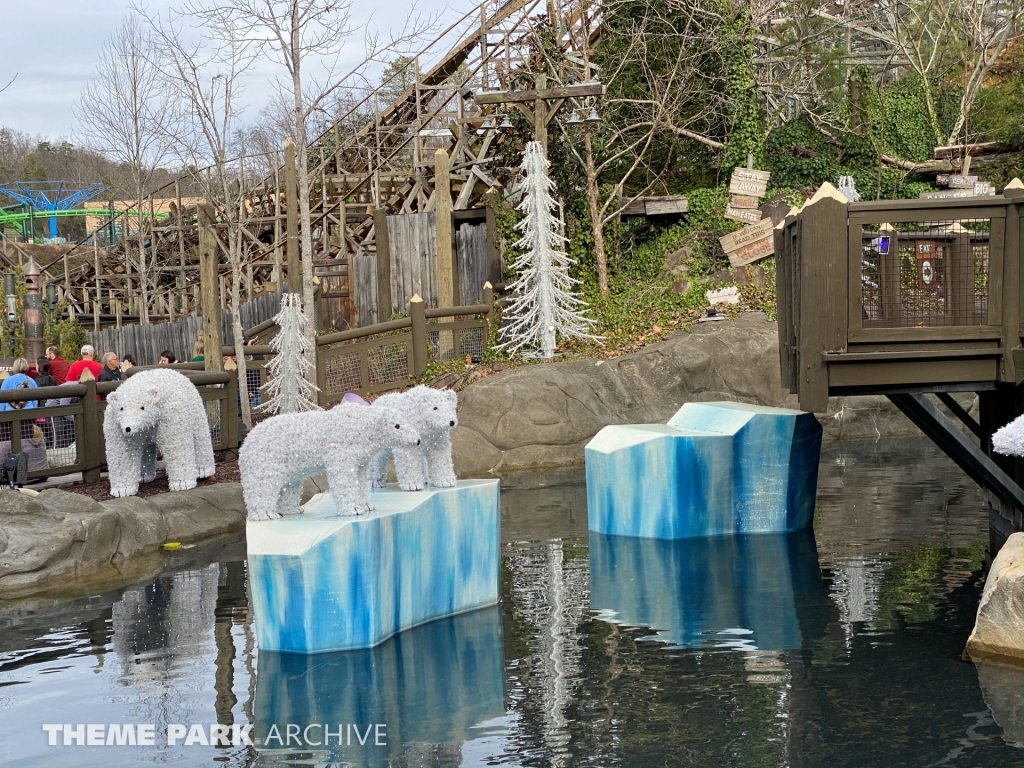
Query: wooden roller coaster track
{"type": "Point", "coordinates": [372, 158]}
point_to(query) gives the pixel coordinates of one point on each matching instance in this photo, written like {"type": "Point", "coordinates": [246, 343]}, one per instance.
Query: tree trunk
{"type": "Point", "coordinates": [143, 288]}
{"type": "Point", "coordinates": [237, 332]}
{"type": "Point", "coordinates": [596, 225]}
{"type": "Point", "coordinates": [305, 219]}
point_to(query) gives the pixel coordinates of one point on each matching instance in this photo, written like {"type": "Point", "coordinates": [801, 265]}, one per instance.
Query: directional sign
{"type": "Point", "coordinates": [750, 234]}
{"type": "Point", "coordinates": [746, 215]}
{"type": "Point", "coordinates": [962, 182]}
{"type": "Point", "coordinates": [749, 183]}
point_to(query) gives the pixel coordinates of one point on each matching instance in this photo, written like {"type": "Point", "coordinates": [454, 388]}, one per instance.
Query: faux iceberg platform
{"type": "Point", "coordinates": [321, 582]}
{"type": "Point", "coordinates": [714, 468]}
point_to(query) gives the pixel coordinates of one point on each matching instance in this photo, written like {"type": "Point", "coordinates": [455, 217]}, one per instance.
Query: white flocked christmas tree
{"type": "Point", "coordinates": [288, 390]}
{"type": "Point", "coordinates": [543, 304]}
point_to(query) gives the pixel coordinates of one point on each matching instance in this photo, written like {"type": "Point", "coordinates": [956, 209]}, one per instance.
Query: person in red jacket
{"type": "Point", "coordinates": [87, 362]}
{"type": "Point", "coordinates": [58, 365]}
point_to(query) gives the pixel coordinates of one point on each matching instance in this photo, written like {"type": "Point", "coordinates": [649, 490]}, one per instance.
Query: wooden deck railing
{"type": "Point", "coordinates": [892, 295]}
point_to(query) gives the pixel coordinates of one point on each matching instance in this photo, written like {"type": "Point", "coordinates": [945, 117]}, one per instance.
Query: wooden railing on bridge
{"type": "Point", "coordinates": [912, 299]}
{"type": "Point", "coordinates": [896, 294]}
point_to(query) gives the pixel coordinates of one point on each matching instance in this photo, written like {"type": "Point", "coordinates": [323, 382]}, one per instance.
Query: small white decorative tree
{"type": "Point", "coordinates": [288, 390]}
{"type": "Point", "coordinates": [848, 189]}
{"type": "Point", "coordinates": [544, 304]}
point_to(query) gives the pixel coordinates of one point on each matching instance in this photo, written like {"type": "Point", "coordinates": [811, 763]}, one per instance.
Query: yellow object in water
{"type": "Point", "coordinates": [172, 545]}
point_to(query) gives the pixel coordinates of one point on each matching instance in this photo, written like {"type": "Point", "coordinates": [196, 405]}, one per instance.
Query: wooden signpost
{"type": "Point", "coordinates": [748, 182]}
{"type": "Point", "coordinates": [962, 182]}
{"type": "Point", "coordinates": [747, 215]}
{"type": "Point", "coordinates": [750, 243]}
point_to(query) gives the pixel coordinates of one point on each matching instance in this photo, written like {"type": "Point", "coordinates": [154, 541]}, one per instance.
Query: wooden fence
{"type": "Point", "coordinates": [146, 342]}
{"type": "Point", "coordinates": [67, 439]}
{"type": "Point", "coordinates": [62, 440]}
{"type": "Point", "coordinates": [395, 354]}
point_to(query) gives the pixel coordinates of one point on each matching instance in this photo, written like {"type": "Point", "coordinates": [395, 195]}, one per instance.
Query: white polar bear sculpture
{"type": "Point", "coordinates": [279, 453]}
{"type": "Point", "coordinates": [432, 412]}
{"type": "Point", "coordinates": [1009, 440]}
{"type": "Point", "coordinates": [158, 410]}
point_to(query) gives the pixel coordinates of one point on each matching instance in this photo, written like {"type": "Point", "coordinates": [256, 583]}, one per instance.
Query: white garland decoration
{"type": "Point", "coordinates": [288, 390]}
{"type": "Point", "coordinates": [544, 304]}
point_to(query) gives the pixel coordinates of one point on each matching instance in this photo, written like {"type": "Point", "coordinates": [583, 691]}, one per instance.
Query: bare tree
{"type": "Point", "coordinates": [126, 112]}
{"type": "Point", "coordinates": [207, 79]}
{"type": "Point", "coordinates": [293, 32]}
{"type": "Point", "coordinates": [665, 49]}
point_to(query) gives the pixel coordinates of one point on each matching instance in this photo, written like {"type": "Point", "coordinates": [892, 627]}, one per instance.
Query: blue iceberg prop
{"type": "Point", "coordinates": [749, 592]}
{"type": "Point", "coordinates": [714, 468]}
{"type": "Point", "coordinates": [321, 582]}
{"type": "Point", "coordinates": [435, 684]}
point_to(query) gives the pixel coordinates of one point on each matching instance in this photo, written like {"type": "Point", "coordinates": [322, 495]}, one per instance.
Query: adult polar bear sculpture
{"type": "Point", "coordinates": [158, 410]}
{"type": "Point", "coordinates": [433, 414]}
{"type": "Point", "coordinates": [279, 453]}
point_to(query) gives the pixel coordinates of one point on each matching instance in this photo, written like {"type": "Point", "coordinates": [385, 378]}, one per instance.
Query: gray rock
{"type": "Point", "coordinates": [542, 416]}
{"type": "Point", "coordinates": [999, 629]}
{"type": "Point", "coordinates": [60, 541]}
{"type": "Point", "coordinates": [3, 539]}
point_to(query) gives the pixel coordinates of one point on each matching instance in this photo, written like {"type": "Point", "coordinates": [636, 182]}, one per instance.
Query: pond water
{"type": "Point", "coordinates": [837, 648]}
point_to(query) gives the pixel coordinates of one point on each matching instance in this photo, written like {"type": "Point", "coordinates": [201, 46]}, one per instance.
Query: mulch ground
{"type": "Point", "coordinates": [227, 472]}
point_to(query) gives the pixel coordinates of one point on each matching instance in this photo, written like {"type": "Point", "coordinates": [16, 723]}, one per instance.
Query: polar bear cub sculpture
{"type": "Point", "coordinates": [279, 453]}
{"type": "Point", "coordinates": [158, 410]}
{"type": "Point", "coordinates": [432, 412]}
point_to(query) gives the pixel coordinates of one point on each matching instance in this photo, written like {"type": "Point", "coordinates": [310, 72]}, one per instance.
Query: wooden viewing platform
{"type": "Point", "coordinates": [912, 299]}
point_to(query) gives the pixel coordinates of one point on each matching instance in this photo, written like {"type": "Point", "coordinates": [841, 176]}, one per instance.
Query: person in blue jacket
{"type": "Point", "coordinates": [19, 379]}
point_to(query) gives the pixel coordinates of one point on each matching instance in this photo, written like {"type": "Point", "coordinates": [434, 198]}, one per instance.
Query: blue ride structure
{"type": "Point", "coordinates": [51, 197]}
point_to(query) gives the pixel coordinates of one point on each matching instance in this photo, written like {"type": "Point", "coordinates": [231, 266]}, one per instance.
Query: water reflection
{"type": "Point", "coordinates": [432, 685]}
{"type": "Point", "coordinates": [731, 591]}
{"type": "Point", "coordinates": [852, 657]}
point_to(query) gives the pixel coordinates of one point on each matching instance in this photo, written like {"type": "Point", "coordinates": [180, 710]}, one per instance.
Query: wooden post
{"type": "Point", "coordinates": [229, 417]}
{"type": "Point", "coordinates": [489, 301]}
{"type": "Point", "coordinates": [291, 186]}
{"type": "Point", "coordinates": [445, 262]}
{"type": "Point", "coordinates": [380, 235]}
{"type": "Point", "coordinates": [277, 229]}
{"type": "Point", "coordinates": [179, 281]}
{"type": "Point", "coordinates": [210, 289]}
{"type": "Point", "coordinates": [99, 297]}
{"type": "Point", "coordinates": [493, 253]}
{"type": "Point", "coordinates": [152, 248]}
{"type": "Point", "coordinates": [960, 280]}
{"type": "Point", "coordinates": [417, 313]}
{"type": "Point", "coordinates": [90, 454]}
{"type": "Point", "coordinates": [825, 283]}
{"type": "Point", "coordinates": [540, 116]}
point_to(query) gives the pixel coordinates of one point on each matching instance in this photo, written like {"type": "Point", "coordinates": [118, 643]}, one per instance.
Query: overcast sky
{"type": "Point", "coordinates": [53, 46]}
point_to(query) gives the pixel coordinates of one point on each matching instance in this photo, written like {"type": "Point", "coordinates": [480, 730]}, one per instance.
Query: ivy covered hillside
{"type": "Point", "coordinates": [892, 96]}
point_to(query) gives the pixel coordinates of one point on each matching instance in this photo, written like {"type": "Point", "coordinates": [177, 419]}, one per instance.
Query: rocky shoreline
{"type": "Point", "coordinates": [67, 543]}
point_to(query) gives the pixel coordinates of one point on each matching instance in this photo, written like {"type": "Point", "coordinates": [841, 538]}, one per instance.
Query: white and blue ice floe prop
{"type": "Point", "coordinates": [714, 468]}
{"type": "Point", "coordinates": [321, 582]}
